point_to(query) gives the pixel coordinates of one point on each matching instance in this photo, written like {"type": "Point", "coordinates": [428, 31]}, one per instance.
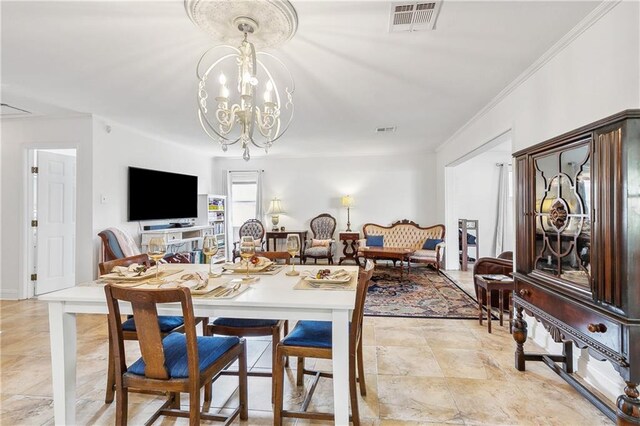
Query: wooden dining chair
{"type": "Point", "coordinates": [172, 364]}
{"type": "Point", "coordinates": [312, 339]}
{"type": "Point", "coordinates": [167, 324]}
{"type": "Point", "coordinates": [244, 327]}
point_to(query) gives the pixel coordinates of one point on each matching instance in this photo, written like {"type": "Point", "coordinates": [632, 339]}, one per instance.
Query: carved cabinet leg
{"type": "Point", "coordinates": [628, 405]}
{"type": "Point", "coordinates": [568, 356]}
{"type": "Point", "coordinates": [520, 336]}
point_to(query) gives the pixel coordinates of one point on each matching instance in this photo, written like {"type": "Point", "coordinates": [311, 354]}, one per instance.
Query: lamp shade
{"type": "Point", "coordinates": [347, 201]}
{"type": "Point", "coordinates": [275, 207]}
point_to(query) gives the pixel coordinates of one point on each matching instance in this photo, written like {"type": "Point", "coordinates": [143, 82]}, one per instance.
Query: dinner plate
{"type": "Point", "coordinates": [340, 279]}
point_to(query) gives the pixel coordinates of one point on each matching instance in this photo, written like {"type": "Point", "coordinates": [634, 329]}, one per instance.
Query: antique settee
{"type": "Point", "coordinates": [428, 242]}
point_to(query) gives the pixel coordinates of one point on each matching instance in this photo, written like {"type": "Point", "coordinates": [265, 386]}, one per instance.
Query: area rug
{"type": "Point", "coordinates": [425, 294]}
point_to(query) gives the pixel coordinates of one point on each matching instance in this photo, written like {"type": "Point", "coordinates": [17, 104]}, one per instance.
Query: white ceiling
{"type": "Point", "coordinates": [134, 62]}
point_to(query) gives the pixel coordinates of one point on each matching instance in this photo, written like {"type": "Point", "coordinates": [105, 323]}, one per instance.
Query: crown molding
{"type": "Point", "coordinates": [594, 16]}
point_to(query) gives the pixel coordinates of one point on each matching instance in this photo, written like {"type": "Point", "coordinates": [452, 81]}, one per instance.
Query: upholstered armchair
{"type": "Point", "coordinates": [503, 264]}
{"type": "Point", "coordinates": [320, 246]}
{"type": "Point", "coordinates": [251, 228]}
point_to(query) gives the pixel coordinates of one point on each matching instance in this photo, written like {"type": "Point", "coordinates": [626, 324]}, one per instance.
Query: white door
{"type": "Point", "coordinates": [56, 231]}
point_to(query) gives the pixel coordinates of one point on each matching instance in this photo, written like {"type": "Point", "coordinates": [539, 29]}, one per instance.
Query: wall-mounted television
{"type": "Point", "coordinates": [155, 194]}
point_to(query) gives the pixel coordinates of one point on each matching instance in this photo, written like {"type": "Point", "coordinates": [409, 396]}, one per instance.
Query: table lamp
{"type": "Point", "coordinates": [347, 201]}
{"type": "Point", "coordinates": [275, 209]}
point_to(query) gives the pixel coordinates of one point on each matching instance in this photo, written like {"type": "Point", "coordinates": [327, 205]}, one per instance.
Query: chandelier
{"type": "Point", "coordinates": [245, 96]}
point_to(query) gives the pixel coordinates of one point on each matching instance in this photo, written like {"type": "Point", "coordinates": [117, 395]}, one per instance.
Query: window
{"type": "Point", "coordinates": [244, 196]}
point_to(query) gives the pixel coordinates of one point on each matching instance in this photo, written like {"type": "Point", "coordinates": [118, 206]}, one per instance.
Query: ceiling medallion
{"type": "Point", "coordinates": [252, 90]}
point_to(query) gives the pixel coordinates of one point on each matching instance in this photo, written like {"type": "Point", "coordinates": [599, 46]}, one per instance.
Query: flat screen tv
{"type": "Point", "coordinates": [154, 194]}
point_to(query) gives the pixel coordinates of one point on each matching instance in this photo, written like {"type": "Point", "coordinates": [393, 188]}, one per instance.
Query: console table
{"type": "Point", "coordinates": [176, 236]}
{"type": "Point", "coordinates": [349, 239]}
{"type": "Point", "coordinates": [282, 235]}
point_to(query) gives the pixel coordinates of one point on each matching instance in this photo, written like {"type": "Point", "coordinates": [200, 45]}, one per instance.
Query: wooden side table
{"type": "Point", "coordinates": [489, 285]}
{"type": "Point", "coordinates": [349, 239]}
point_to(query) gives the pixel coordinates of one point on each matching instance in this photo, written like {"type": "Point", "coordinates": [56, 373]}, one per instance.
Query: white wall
{"type": "Point", "coordinates": [595, 75]}
{"type": "Point", "coordinates": [476, 197]}
{"type": "Point", "coordinates": [384, 188]}
{"type": "Point", "coordinates": [19, 135]}
{"type": "Point", "coordinates": [117, 147]}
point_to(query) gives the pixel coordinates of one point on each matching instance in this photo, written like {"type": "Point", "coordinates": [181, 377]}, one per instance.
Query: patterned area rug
{"type": "Point", "coordinates": [425, 294]}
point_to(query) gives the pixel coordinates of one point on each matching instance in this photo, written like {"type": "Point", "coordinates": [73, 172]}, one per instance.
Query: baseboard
{"type": "Point", "coordinates": [7, 294]}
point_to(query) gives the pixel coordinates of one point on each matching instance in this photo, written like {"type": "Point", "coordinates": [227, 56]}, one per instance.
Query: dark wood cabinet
{"type": "Point", "coordinates": [578, 250]}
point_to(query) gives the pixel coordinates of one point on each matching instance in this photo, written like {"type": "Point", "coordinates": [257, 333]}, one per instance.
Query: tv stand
{"type": "Point", "coordinates": [178, 239]}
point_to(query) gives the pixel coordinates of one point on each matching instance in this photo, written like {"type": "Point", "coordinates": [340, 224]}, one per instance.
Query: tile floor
{"type": "Point", "coordinates": [418, 372]}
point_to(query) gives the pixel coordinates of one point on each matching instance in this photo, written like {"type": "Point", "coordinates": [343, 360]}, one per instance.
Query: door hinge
{"type": "Point", "coordinates": [34, 169]}
{"type": "Point", "coordinates": [34, 223]}
{"type": "Point", "coordinates": [34, 277]}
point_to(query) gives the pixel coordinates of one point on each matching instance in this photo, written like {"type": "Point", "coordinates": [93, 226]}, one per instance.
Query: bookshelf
{"type": "Point", "coordinates": [217, 219]}
{"type": "Point", "coordinates": [468, 239]}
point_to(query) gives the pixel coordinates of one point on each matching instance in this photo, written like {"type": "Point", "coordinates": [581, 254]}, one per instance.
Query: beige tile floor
{"type": "Point", "coordinates": [418, 372]}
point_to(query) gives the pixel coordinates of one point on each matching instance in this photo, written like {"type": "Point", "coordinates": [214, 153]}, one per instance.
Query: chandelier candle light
{"type": "Point", "coordinates": [275, 209]}
{"type": "Point", "coordinates": [252, 90]}
{"type": "Point", "coordinates": [347, 201]}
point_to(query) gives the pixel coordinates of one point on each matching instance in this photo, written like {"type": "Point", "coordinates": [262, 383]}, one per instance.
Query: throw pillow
{"type": "Point", "coordinates": [320, 243]}
{"type": "Point", "coordinates": [431, 243]}
{"type": "Point", "coordinates": [375, 240]}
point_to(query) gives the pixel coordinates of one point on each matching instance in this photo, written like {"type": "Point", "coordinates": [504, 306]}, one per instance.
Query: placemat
{"type": "Point", "coordinates": [137, 282]}
{"type": "Point", "coordinates": [271, 270]}
{"type": "Point", "coordinates": [306, 285]}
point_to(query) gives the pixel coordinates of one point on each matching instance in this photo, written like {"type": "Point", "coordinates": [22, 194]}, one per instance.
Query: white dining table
{"type": "Point", "coordinates": [272, 296]}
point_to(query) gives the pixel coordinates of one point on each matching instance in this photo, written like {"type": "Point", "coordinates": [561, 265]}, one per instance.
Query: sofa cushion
{"type": "Point", "coordinates": [424, 254]}
{"type": "Point", "coordinates": [431, 243]}
{"type": "Point", "coordinates": [375, 240]}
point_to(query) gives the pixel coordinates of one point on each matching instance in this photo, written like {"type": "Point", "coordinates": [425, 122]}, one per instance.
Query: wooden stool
{"type": "Point", "coordinates": [489, 285]}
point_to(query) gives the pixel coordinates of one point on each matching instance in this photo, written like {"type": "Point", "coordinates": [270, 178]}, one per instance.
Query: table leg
{"type": "Point", "coordinates": [510, 312]}
{"type": "Point", "coordinates": [489, 310]}
{"type": "Point", "coordinates": [340, 328]}
{"type": "Point", "coordinates": [62, 330]}
{"type": "Point", "coordinates": [501, 304]}
{"type": "Point", "coordinates": [480, 313]}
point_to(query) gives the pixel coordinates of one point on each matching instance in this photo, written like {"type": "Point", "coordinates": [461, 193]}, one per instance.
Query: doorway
{"type": "Point", "coordinates": [51, 219]}
{"type": "Point", "coordinates": [479, 187]}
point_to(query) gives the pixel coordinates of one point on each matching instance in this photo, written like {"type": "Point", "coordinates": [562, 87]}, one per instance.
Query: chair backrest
{"type": "Point", "coordinates": [111, 249]}
{"type": "Point", "coordinates": [252, 228]}
{"type": "Point", "coordinates": [277, 255]}
{"type": "Point", "coordinates": [323, 226]}
{"type": "Point", "coordinates": [106, 267]}
{"type": "Point", "coordinates": [364, 278]}
{"type": "Point", "coordinates": [507, 255]}
{"type": "Point", "coordinates": [145, 315]}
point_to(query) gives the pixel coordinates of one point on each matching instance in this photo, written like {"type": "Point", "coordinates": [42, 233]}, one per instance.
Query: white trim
{"type": "Point", "coordinates": [596, 14]}
{"type": "Point", "coordinates": [6, 294]}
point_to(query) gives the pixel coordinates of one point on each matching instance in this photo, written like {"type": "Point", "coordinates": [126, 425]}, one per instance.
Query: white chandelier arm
{"type": "Point", "coordinates": [209, 129]}
{"type": "Point", "coordinates": [224, 57]}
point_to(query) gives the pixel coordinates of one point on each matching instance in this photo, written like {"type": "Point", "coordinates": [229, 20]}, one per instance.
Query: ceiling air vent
{"type": "Point", "coordinates": [7, 110]}
{"type": "Point", "coordinates": [414, 16]}
{"type": "Point", "coordinates": [386, 129]}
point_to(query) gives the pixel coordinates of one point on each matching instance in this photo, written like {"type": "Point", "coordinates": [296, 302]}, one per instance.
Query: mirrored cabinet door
{"type": "Point", "coordinates": [562, 211]}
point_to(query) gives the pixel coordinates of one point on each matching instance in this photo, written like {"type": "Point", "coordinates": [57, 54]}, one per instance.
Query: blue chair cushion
{"type": "Point", "coordinates": [311, 334]}
{"type": "Point", "coordinates": [375, 240]}
{"type": "Point", "coordinates": [244, 322]}
{"type": "Point", "coordinates": [166, 323]}
{"type": "Point", "coordinates": [431, 243]}
{"type": "Point", "coordinates": [114, 245]}
{"type": "Point", "coordinates": [210, 349]}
